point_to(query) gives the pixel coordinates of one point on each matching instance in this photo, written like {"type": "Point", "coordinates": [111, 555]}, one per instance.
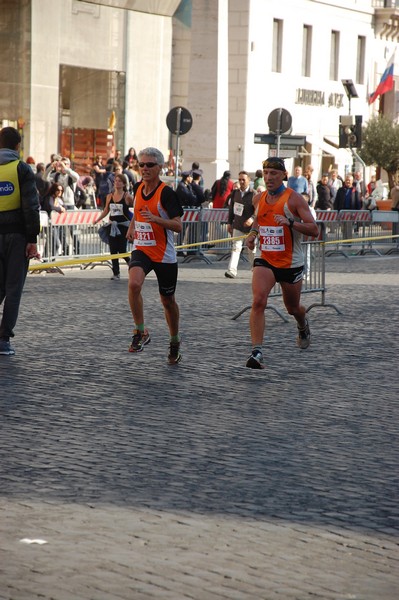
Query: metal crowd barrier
{"type": "Point", "coordinates": [314, 280]}
{"type": "Point", "coordinates": [70, 234]}
{"type": "Point", "coordinates": [367, 231]}
{"type": "Point", "coordinates": [73, 234]}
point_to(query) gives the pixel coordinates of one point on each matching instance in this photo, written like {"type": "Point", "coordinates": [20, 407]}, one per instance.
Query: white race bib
{"type": "Point", "coordinates": [238, 208]}
{"type": "Point", "coordinates": [272, 238]}
{"type": "Point", "coordinates": [143, 234]}
{"type": "Point", "coordinates": [116, 210]}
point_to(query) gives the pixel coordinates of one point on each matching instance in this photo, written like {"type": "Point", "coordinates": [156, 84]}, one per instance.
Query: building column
{"type": "Point", "coordinates": [208, 92]}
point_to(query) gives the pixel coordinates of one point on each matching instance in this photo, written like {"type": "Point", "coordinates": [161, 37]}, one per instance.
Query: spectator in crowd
{"type": "Point", "coordinates": [52, 168]}
{"type": "Point", "coordinates": [196, 167]}
{"type": "Point", "coordinates": [283, 217]}
{"type": "Point", "coordinates": [42, 184]}
{"type": "Point", "coordinates": [116, 158]}
{"type": "Point", "coordinates": [197, 186]}
{"type": "Point", "coordinates": [55, 202]}
{"type": "Point", "coordinates": [188, 198]}
{"type": "Point", "coordinates": [240, 219]}
{"type": "Point", "coordinates": [335, 182]}
{"type": "Point", "coordinates": [325, 198]}
{"type": "Point", "coordinates": [371, 185]}
{"type": "Point", "coordinates": [100, 176]}
{"type": "Point", "coordinates": [184, 190]}
{"type": "Point", "coordinates": [157, 217]}
{"type": "Point", "coordinates": [32, 163]}
{"type": "Point", "coordinates": [394, 194]}
{"type": "Point", "coordinates": [221, 189]}
{"type": "Point", "coordinates": [311, 186]}
{"type": "Point", "coordinates": [298, 182]}
{"type": "Point", "coordinates": [131, 157]}
{"type": "Point", "coordinates": [19, 228]}
{"type": "Point", "coordinates": [117, 206]}
{"type": "Point", "coordinates": [259, 181]}
{"type": "Point", "coordinates": [89, 187]}
{"type": "Point", "coordinates": [68, 178]}
{"type": "Point", "coordinates": [348, 197]}
{"type": "Point", "coordinates": [360, 185]}
{"type": "Point", "coordinates": [130, 174]}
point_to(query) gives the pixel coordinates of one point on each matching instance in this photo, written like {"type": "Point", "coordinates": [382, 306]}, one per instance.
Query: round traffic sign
{"type": "Point", "coordinates": [279, 121]}
{"type": "Point", "coordinates": [179, 120]}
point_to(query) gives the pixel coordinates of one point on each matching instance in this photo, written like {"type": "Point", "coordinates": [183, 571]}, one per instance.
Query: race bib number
{"type": "Point", "coordinates": [272, 239]}
{"type": "Point", "coordinates": [116, 210]}
{"type": "Point", "coordinates": [238, 208]}
{"type": "Point", "coordinates": [144, 234]}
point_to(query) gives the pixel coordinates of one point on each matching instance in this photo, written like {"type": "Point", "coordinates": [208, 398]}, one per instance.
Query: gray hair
{"type": "Point", "coordinates": [157, 154]}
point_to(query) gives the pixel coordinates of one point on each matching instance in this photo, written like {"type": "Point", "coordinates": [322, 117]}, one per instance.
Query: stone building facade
{"type": "Point", "coordinates": [73, 66]}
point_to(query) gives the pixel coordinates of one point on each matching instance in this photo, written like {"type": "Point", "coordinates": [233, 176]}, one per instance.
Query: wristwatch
{"type": "Point", "coordinates": [291, 222]}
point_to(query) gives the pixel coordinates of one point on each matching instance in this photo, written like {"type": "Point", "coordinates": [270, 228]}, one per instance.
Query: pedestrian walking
{"type": "Point", "coordinates": [241, 217]}
{"type": "Point", "coordinates": [157, 216]}
{"type": "Point", "coordinates": [19, 228]}
{"type": "Point", "coordinates": [283, 215]}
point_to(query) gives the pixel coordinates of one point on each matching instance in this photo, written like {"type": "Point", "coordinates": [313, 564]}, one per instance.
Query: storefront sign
{"type": "Point", "coordinates": [318, 98]}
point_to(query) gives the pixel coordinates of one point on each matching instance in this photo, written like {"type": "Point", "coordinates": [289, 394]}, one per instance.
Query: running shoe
{"type": "Point", "coordinates": [115, 277]}
{"type": "Point", "coordinates": [139, 340]}
{"type": "Point", "coordinates": [174, 355]}
{"type": "Point", "coordinates": [303, 339]}
{"type": "Point", "coordinates": [255, 361]}
{"type": "Point", "coordinates": [6, 349]}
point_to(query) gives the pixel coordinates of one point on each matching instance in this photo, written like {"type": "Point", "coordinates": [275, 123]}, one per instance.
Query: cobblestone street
{"type": "Point", "coordinates": [203, 481]}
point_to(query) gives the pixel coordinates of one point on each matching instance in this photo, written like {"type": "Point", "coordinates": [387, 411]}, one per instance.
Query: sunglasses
{"type": "Point", "coordinates": [149, 165]}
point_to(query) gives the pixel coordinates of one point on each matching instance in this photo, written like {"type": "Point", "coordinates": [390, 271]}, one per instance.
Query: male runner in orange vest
{"type": "Point", "coordinates": [282, 217]}
{"type": "Point", "coordinates": [157, 216]}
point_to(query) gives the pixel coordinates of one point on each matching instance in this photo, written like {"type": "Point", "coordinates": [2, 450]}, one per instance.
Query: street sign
{"type": "Point", "coordinates": [284, 152]}
{"type": "Point", "coordinates": [285, 140]}
{"type": "Point", "coordinates": [179, 120]}
{"type": "Point", "coordinates": [279, 121]}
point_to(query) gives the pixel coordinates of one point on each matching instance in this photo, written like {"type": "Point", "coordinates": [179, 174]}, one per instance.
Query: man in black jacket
{"type": "Point", "coordinates": [241, 211]}
{"type": "Point", "coordinates": [19, 228]}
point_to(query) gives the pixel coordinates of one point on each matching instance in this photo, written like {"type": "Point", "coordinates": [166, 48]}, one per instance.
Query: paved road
{"type": "Point", "coordinates": [204, 481]}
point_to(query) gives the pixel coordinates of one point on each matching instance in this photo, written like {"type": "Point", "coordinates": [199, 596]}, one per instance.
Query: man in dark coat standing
{"type": "Point", "coordinates": [19, 228]}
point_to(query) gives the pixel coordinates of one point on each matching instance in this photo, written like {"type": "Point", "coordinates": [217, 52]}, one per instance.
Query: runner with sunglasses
{"type": "Point", "coordinates": [157, 216]}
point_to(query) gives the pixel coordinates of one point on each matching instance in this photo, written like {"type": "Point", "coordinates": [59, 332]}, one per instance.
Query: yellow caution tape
{"type": "Point", "coordinates": [43, 266]}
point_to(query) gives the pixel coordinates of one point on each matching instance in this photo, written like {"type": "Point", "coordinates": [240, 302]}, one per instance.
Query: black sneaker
{"type": "Point", "coordinates": [174, 355]}
{"type": "Point", "coordinates": [255, 361]}
{"type": "Point", "coordinates": [6, 349]}
{"type": "Point", "coordinates": [139, 340]}
{"type": "Point", "coordinates": [303, 339]}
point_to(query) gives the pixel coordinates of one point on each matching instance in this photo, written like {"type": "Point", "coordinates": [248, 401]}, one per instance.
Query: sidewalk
{"type": "Point", "coordinates": [205, 481]}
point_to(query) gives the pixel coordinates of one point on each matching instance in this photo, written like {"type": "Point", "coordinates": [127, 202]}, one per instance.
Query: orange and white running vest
{"type": "Point", "coordinates": [280, 245]}
{"type": "Point", "coordinates": [152, 239]}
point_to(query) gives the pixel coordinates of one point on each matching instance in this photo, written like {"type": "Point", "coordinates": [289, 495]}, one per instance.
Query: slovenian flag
{"type": "Point", "coordinates": [386, 83]}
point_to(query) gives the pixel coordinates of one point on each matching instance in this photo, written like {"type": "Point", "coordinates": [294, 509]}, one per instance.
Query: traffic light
{"type": "Point", "coordinates": [350, 131]}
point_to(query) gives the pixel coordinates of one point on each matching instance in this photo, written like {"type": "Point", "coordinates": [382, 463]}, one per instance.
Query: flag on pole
{"type": "Point", "coordinates": [386, 83]}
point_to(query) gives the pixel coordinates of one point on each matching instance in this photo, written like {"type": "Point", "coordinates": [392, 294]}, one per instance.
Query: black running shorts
{"type": "Point", "coordinates": [166, 272]}
{"type": "Point", "coordinates": [281, 275]}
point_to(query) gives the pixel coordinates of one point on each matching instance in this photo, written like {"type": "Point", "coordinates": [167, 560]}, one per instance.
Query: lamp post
{"type": "Point", "coordinates": [351, 92]}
